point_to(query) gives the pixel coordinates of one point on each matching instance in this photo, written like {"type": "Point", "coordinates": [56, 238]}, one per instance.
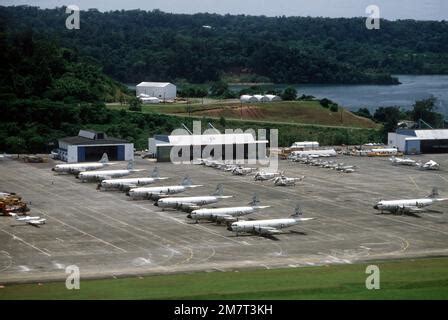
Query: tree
{"type": "Point", "coordinates": [289, 94]}
{"type": "Point", "coordinates": [363, 112]}
{"type": "Point", "coordinates": [135, 104]}
{"type": "Point", "coordinates": [425, 110]}
{"type": "Point", "coordinates": [219, 89]}
{"type": "Point", "coordinates": [222, 121]}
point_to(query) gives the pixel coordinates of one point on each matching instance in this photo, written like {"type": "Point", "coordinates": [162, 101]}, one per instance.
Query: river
{"type": "Point", "coordinates": [353, 97]}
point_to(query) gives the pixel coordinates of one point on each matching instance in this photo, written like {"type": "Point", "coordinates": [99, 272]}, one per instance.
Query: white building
{"type": "Point", "coordinates": [228, 146]}
{"type": "Point", "coordinates": [261, 98]}
{"type": "Point", "coordinates": [419, 141]}
{"type": "Point", "coordinates": [161, 90]}
{"type": "Point", "coordinates": [248, 99]}
{"type": "Point", "coordinates": [272, 97]}
{"type": "Point", "coordinates": [306, 145]}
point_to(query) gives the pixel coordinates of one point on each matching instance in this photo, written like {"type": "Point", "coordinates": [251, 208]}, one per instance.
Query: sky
{"type": "Point", "coordinates": [389, 9]}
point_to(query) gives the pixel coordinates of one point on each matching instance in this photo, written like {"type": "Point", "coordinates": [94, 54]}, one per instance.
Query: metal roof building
{"type": "Point", "coordinates": [161, 90]}
{"type": "Point", "coordinates": [89, 146]}
{"type": "Point", "coordinates": [419, 141]}
{"type": "Point", "coordinates": [229, 146]}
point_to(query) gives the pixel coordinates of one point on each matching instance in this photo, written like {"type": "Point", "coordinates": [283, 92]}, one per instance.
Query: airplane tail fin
{"type": "Point", "coordinates": [155, 173]}
{"type": "Point", "coordinates": [297, 212]}
{"type": "Point", "coordinates": [186, 181]}
{"type": "Point", "coordinates": [130, 165]}
{"type": "Point", "coordinates": [255, 200]}
{"type": "Point", "coordinates": [104, 158]}
{"type": "Point", "coordinates": [434, 193]}
{"type": "Point", "coordinates": [219, 190]}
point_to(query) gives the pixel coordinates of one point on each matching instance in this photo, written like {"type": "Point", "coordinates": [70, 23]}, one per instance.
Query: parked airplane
{"type": "Point", "coordinates": [404, 161]}
{"type": "Point", "coordinates": [100, 175]}
{"type": "Point", "coordinates": [242, 171]}
{"type": "Point", "coordinates": [155, 193]}
{"type": "Point", "coordinates": [430, 165]}
{"type": "Point", "coordinates": [84, 166]}
{"type": "Point", "coordinates": [263, 175]}
{"type": "Point", "coordinates": [129, 183]}
{"type": "Point", "coordinates": [34, 221]}
{"type": "Point", "coordinates": [229, 214]}
{"type": "Point", "coordinates": [191, 203]}
{"type": "Point", "coordinates": [409, 206]}
{"type": "Point", "coordinates": [285, 181]}
{"type": "Point", "coordinates": [267, 227]}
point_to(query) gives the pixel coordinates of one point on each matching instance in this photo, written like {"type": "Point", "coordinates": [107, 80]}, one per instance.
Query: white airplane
{"type": "Point", "coordinates": [267, 227]}
{"type": "Point", "coordinates": [404, 161]}
{"type": "Point", "coordinates": [191, 203]}
{"type": "Point", "coordinates": [155, 193]}
{"type": "Point", "coordinates": [34, 221]}
{"type": "Point", "coordinates": [263, 175]}
{"type": "Point", "coordinates": [430, 165]}
{"type": "Point", "coordinates": [409, 206]}
{"type": "Point", "coordinates": [285, 181]}
{"type": "Point", "coordinates": [100, 175]}
{"type": "Point", "coordinates": [80, 167]}
{"type": "Point", "coordinates": [345, 169]}
{"type": "Point", "coordinates": [129, 183]}
{"type": "Point", "coordinates": [229, 214]}
{"type": "Point", "coordinates": [242, 171]}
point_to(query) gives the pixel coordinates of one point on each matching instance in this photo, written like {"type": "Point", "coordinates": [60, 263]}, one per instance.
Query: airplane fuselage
{"type": "Point", "coordinates": [103, 174]}
{"type": "Point", "coordinates": [78, 167]}
{"type": "Point", "coordinates": [395, 205]}
{"type": "Point", "coordinates": [120, 183]}
{"type": "Point", "coordinates": [217, 214]}
{"type": "Point", "coordinates": [257, 226]}
{"type": "Point", "coordinates": [179, 201]}
{"type": "Point", "coordinates": [154, 191]}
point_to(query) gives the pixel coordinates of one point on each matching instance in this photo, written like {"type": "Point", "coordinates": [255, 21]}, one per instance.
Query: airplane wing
{"type": "Point", "coordinates": [34, 223]}
{"type": "Point", "coordinates": [226, 218]}
{"type": "Point", "coordinates": [267, 230]}
{"type": "Point", "coordinates": [188, 206]}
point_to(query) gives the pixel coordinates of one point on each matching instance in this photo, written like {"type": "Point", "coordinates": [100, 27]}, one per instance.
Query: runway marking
{"type": "Point", "coordinates": [27, 243]}
{"type": "Point", "coordinates": [184, 223]}
{"type": "Point", "coordinates": [443, 177]}
{"type": "Point", "coordinates": [415, 184]}
{"type": "Point", "coordinates": [81, 231]}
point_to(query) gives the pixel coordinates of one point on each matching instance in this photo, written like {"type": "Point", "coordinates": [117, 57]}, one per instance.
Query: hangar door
{"type": "Point", "coordinates": [434, 146]}
{"type": "Point", "coordinates": [94, 153]}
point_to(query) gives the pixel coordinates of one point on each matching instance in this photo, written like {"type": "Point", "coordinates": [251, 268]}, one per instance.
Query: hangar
{"type": "Point", "coordinates": [229, 146]}
{"type": "Point", "coordinates": [89, 146]}
{"type": "Point", "coordinates": [161, 90]}
{"type": "Point", "coordinates": [419, 141]}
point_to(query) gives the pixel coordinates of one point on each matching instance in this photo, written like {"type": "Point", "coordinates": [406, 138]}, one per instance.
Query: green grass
{"type": "Point", "coordinates": [404, 279]}
{"type": "Point", "coordinates": [287, 112]}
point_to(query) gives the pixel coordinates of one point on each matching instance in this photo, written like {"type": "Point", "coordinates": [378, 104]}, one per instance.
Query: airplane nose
{"type": "Point", "coordinates": [375, 207]}
{"type": "Point", "coordinates": [189, 216]}
{"type": "Point", "coordinates": [229, 228]}
{"type": "Point", "coordinates": [128, 193]}
{"type": "Point", "coordinates": [156, 204]}
{"type": "Point", "coordinates": [52, 169]}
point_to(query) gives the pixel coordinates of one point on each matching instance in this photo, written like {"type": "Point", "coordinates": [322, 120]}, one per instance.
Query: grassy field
{"type": "Point", "coordinates": [404, 279]}
{"type": "Point", "coordinates": [301, 112]}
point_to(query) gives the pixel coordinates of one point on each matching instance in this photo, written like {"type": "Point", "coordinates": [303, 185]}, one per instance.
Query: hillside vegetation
{"type": "Point", "coordinates": [304, 112]}
{"type": "Point", "coordinates": [136, 45]}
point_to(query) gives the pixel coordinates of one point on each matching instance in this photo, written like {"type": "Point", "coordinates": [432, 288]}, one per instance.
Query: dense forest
{"type": "Point", "coordinates": [132, 46]}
